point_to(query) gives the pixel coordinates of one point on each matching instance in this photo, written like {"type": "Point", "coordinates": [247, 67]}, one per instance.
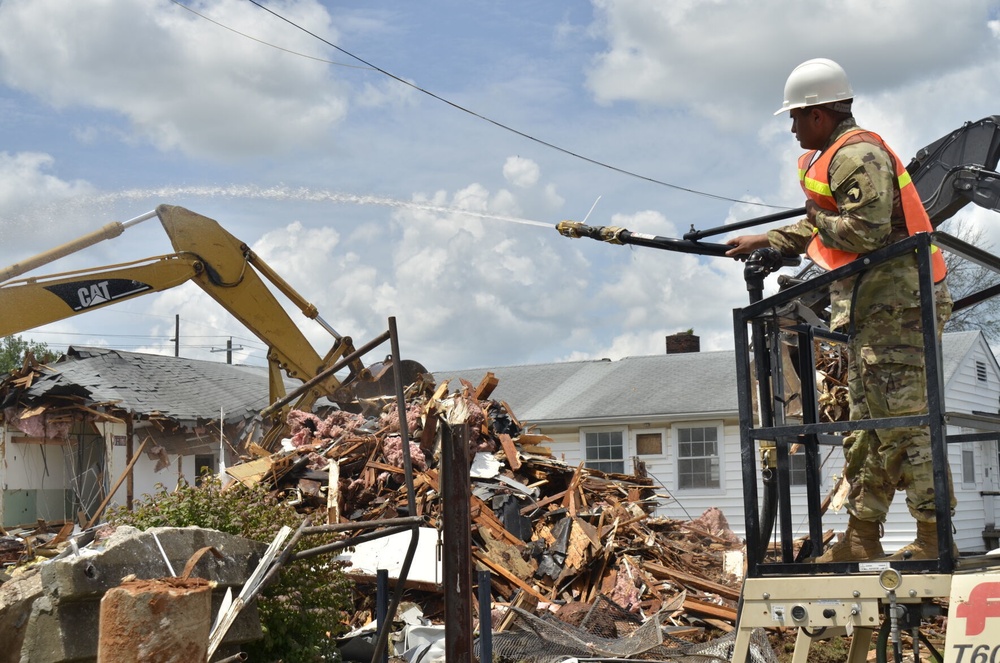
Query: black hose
{"type": "Point", "coordinates": [768, 511]}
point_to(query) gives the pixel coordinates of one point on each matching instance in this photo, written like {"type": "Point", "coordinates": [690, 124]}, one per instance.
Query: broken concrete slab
{"type": "Point", "coordinates": [53, 611]}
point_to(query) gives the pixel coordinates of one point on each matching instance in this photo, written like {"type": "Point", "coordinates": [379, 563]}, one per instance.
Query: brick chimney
{"type": "Point", "coordinates": [683, 342]}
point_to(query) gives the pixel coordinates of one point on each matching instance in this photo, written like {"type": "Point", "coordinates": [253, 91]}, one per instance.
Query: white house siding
{"type": "Point", "coordinates": [965, 392]}
{"type": "Point", "coordinates": [567, 445]}
{"type": "Point", "coordinates": [33, 481]}
{"type": "Point", "coordinates": [144, 475]}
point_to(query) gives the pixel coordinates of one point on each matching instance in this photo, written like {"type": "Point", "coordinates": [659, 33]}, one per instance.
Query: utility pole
{"type": "Point", "coordinates": [229, 350]}
{"type": "Point", "coordinates": [177, 335]}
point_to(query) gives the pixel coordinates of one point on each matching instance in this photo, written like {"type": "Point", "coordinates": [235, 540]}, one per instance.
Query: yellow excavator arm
{"type": "Point", "coordinates": [205, 253]}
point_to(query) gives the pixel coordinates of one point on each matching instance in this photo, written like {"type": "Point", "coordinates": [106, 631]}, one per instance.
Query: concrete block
{"type": "Point", "coordinates": [62, 624]}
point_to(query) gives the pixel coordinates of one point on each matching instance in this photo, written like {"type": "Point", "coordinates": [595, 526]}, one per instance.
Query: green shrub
{"type": "Point", "coordinates": [303, 611]}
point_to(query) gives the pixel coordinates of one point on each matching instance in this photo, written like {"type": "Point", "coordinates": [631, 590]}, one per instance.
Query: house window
{"type": "Point", "coordinates": [605, 451]}
{"type": "Point", "coordinates": [698, 461]}
{"type": "Point", "coordinates": [968, 465]}
{"type": "Point", "coordinates": [203, 463]}
{"type": "Point", "coordinates": [981, 371]}
{"type": "Point", "coordinates": [649, 444]}
{"type": "Point", "coordinates": [797, 469]}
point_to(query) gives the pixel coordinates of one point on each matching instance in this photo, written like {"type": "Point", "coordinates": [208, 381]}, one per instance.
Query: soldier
{"type": "Point", "coordinates": [860, 199]}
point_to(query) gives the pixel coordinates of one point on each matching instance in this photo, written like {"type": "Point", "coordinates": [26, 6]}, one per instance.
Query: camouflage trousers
{"type": "Point", "coordinates": [887, 380]}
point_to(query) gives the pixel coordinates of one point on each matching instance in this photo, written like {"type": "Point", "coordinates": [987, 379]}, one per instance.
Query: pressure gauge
{"type": "Point", "coordinates": [890, 580]}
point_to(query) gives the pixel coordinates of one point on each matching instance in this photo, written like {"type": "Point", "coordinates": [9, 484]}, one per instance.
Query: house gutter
{"type": "Point", "coordinates": [633, 418]}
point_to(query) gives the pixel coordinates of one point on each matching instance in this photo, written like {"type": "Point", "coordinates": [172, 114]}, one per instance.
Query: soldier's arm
{"type": "Point", "coordinates": [862, 180]}
{"type": "Point", "coordinates": [791, 239]}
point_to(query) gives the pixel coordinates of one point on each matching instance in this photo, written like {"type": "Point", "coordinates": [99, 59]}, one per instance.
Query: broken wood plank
{"type": "Point", "coordinates": [711, 609]}
{"type": "Point", "coordinates": [510, 451]}
{"type": "Point", "coordinates": [111, 493]}
{"type": "Point", "coordinates": [486, 561]}
{"type": "Point", "coordinates": [692, 581]}
{"type": "Point", "coordinates": [486, 387]}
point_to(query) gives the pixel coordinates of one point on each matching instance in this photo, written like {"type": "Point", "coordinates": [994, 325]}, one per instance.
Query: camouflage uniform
{"type": "Point", "coordinates": [886, 374]}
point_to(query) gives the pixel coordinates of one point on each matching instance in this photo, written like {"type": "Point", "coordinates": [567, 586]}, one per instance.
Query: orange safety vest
{"type": "Point", "coordinates": [815, 180]}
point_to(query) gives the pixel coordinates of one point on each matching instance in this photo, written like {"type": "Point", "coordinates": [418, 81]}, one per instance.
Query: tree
{"type": "Point", "coordinates": [14, 348]}
{"type": "Point", "coordinates": [966, 278]}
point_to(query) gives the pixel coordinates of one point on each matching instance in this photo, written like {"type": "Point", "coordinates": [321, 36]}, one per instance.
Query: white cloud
{"type": "Point", "coordinates": [729, 59]}
{"type": "Point", "coordinates": [521, 172]}
{"type": "Point", "coordinates": [28, 199]}
{"type": "Point", "coordinates": [182, 82]}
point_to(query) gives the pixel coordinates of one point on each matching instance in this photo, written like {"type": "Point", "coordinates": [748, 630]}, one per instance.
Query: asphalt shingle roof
{"type": "Point", "coordinates": [183, 389]}
{"type": "Point", "coordinates": [637, 387]}
{"type": "Point", "coordinates": [699, 383]}
{"type": "Point", "coordinates": [672, 384]}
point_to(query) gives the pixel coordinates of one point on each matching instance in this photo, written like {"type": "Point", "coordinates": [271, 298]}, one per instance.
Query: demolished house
{"type": "Point", "coordinates": [677, 414]}
{"type": "Point", "coordinates": [576, 558]}
{"type": "Point", "coordinates": [71, 428]}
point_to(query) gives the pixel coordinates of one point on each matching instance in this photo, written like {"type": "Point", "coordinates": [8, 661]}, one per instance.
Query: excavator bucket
{"type": "Point", "coordinates": [383, 380]}
{"type": "Point", "coordinates": [958, 169]}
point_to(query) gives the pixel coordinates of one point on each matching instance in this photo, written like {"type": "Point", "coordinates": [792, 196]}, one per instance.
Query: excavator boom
{"type": "Point", "coordinates": [221, 265]}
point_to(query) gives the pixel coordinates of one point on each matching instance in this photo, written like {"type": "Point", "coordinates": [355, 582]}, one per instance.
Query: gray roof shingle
{"type": "Point", "coordinates": [183, 389]}
{"type": "Point", "coordinates": [633, 387]}
{"type": "Point", "coordinates": [669, 385]}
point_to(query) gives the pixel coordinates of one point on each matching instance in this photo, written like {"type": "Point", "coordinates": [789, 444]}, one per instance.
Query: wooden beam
{"type": "Point", "coordinates": [691, 581]}
{"type": "Point", "coordinates": [508, 575]}
{"type": "Point", "coordinates": [710, 609]}
{"type": "Point", "coordinates": [111, 493]}
{"type": "Point", "coordinates": [486, 387]}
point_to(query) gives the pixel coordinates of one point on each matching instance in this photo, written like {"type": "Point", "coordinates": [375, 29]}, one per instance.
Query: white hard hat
{"type": "Point", "coordinates": [814, 82]}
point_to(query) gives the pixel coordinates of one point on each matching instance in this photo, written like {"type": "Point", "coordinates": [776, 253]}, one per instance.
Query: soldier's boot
{"type": "Point", "coordinates": [925, 546]}
{"type": "Point", "coordinates": [859, 543]}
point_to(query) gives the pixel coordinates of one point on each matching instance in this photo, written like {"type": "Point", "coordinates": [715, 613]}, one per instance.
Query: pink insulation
{"type": "Point", "coordinates": [38, 426]}
{"type": "Point", "coordinates": [392, 448]}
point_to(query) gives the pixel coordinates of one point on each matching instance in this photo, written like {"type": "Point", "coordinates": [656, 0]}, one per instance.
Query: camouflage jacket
{"type": "Point", "coordinates": [869, 217]}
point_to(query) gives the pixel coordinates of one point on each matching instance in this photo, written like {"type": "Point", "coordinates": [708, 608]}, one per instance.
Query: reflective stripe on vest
{"type": "Point", "coordinates": [815, 180]}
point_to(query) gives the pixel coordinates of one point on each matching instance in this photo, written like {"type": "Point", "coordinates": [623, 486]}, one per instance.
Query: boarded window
{"type": "Point", "coordinates": [649, 444]}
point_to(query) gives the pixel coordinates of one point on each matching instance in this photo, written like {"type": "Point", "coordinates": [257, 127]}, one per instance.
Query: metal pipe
{"type": "Point", "coordinates": [241, 656]}
{"type": "Point", "coordinates": [748, 223]}
{"type": "Point", "coordinates": [368, 524]}
{"type": "Point", "coordinates": [485, 618]}
{"type": "Point", "coordinates": [455, 491]}
{"type": "Point", "coordinates": [397, 596]}
{"type": "Point", "coordinates": [347, 543]}
{"type": "Point", "coordinates": [323, 375]}
{"type": "Point", "coordinates": [109, 231]}
{"type": "Point", "coordinates": [382, 604]}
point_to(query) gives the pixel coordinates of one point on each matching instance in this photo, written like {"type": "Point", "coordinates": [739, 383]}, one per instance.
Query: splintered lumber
{"type": "Point", "coordinates": [486, 387]}
{"type": "Point", "coordinates": [510, 451]}
{"type": "Point", "coordinates": [505, 554]}
{"type": "Point", "coordinates": [501, 570]}
{"type": "Point", "coordinates": [711, 609]}
{"type": "Point", "coordinates": [482, 514]}
{"type": "Point", "coordinates": [546, 530]}
{"type": "Point", "coordinates": [692, 581]}
{"type": "Point", "coordinates": [111, 493]}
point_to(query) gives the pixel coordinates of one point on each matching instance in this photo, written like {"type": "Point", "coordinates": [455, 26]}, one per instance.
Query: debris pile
{"type": "Point", "coordinates": [555, 538]}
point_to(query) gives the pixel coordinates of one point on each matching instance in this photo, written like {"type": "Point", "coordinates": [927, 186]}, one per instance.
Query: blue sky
{"type": "Point", "coordinates": [354, 186]}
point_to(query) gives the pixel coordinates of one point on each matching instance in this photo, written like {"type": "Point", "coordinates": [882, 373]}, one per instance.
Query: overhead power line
{"type": "Point", "coordinates": [265, 43]}
{"type": "Point", "coordinates": [459, 107]}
